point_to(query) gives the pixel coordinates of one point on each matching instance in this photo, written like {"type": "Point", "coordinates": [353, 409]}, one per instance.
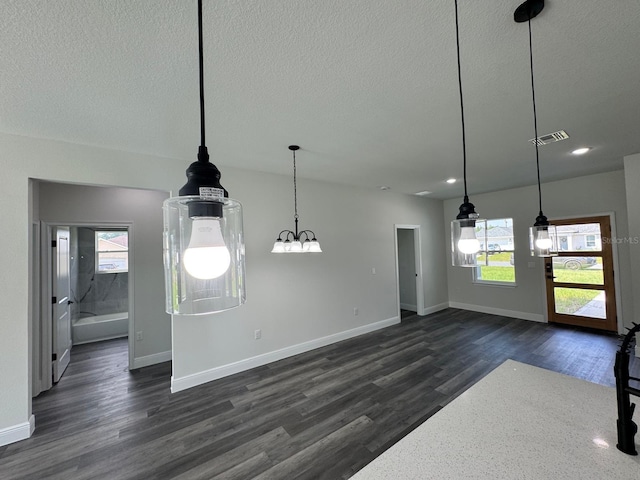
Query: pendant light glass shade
{"type": "Point", "coordinates": [204, 257]}
{"type": "Point", "coordinates": [543, 239]}
{"type": "Point", "coordinates": [468, 237]}
{"type": "Point", "coordinates": [203, 235]}
{"type": "Point", "coordinates": [465, 244]}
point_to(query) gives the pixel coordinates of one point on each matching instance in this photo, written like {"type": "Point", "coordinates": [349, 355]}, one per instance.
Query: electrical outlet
{"type": "Point", "coordinates": [355, 311]}
{"type": "Point", "coordinates": [138, 336]}
{"type": "Point", "coordinates": [373, 271]}
{"type": "Point", "coordinates": [257, 335]}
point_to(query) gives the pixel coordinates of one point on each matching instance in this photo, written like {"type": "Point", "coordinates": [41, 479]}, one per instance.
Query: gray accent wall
{"type": "Point", "coordinates": [582, 196]}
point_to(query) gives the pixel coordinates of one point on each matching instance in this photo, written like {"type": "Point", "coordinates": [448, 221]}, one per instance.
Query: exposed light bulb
{"type": "Point", "coordinates": [207, 256]}
{"type": "Point", "coordinates": [468, 242]}
{"type": "Point", "coordinates": [543, 242]}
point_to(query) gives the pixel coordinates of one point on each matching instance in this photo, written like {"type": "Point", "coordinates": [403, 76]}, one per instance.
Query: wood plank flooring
{"type": "Point", "coordinates": [323, 414]}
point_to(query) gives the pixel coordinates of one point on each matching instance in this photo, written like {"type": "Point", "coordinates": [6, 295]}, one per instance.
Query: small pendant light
{"type": "Point", "coordinates": [293, 240]}
{"type": "Point", "coordinates": [542, 235]}
{"type": "Point", "coordinates": [464, 229]}
{"type": "Point", "coordinates": [203, 237]}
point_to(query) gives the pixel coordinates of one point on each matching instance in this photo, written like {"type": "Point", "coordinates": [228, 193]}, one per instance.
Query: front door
{"type": "Point", "coordinates": [61, 315]}
{"type": "Point", "coordinates": [579, 281]}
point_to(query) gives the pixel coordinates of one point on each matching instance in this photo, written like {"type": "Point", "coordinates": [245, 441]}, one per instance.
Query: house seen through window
{"type": "Point", "coordinates": [495, 258]}
{"type": "Point", "coordinates": [112, 251]}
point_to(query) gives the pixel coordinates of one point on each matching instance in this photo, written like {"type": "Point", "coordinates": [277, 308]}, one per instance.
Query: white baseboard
{"type": "Point", "coordinates": [534, 317]}
{"type": "Point", "coordinates": [147, 360]}
{"type": "Point", "coordinates": [193, 380]}
{"type": "Point", "coordinates": [406, 306]}
{"type": "Point", "coordinates": [18, 432]}
{"type": "Point", "coordinates": [434, 308]}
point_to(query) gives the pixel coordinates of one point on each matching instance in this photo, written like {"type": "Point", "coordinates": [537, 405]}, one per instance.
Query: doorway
{"type": "Point", "coordinates": [579, 281]}
{"type": "Point", "coordinates": [87, 290]}
{"type": "Point", "coordinates": [409, 269]}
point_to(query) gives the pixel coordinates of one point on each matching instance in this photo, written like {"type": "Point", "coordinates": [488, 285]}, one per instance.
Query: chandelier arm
{"type": "Point", "coordinates": [283, 231]}
{"type": "Point", "coordinates": [464, 143]}
{"type": "Point", "coordinates": [289, 232]}
{"type": "Point", "coordinates": [307, 232]}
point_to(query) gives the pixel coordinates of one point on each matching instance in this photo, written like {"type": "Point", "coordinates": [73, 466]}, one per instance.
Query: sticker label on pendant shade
{"type": "Point", "coordinates": [211, 193]}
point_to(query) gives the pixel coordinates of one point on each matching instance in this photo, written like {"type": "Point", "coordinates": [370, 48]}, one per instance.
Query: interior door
{"type": "Point", "coordinates": [579, 281]}
{"type": "Point", "coordinates": [61, 315]}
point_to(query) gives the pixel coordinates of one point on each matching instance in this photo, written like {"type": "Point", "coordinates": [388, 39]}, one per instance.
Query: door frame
{"type": "Point", "coordinates": [417, 246]}
{"type": "Point", "coordinates": [616, 269]}
{"type": "Point", "coordinates": [43, 322]}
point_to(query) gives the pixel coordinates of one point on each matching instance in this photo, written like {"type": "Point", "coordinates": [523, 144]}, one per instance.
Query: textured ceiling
{"type": "Point", "coordinates": [368, 88]}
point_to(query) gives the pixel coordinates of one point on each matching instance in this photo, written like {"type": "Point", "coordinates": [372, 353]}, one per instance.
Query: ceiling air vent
{"type": "Point", "coordinates": [550, 138]}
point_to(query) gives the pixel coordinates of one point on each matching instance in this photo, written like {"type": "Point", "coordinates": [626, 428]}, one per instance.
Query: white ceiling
{"type": "Point", "coordinates": [367, 88]}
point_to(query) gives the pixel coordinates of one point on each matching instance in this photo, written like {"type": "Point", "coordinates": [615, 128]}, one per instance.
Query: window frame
{"type": "Point", "coordinates": [477, 270]}
{"type": "Point", "coordinates": [98, 252]}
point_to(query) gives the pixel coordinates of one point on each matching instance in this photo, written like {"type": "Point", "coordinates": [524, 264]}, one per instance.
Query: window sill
{"type": "Point", "coordinates": [495, 284]}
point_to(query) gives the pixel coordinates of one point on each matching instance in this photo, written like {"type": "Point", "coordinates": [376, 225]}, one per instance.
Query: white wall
{"type": "Point", "coordinates": [632, 178]}
{"type": "Point", "coordinates": [407, 269]}
{"type": "Point", "coordinates": [580, 196]}
{"type": "Point", "coordinates": [64, 204]}
{"type": "Point", "coordinates": [23, 158]}
{"type": "Point", "coordinates": [300, 299]}
{"type": "Point", "coordinates": [293, 299]}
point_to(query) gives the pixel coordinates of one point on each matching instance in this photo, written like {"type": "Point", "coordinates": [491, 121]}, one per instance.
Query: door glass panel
{"type": "Point", "coordinates": [580, 302]}
{"type": "Point", "coordinates": [579, 237]}
{"type": "Point", "coordinates": [578, 269]}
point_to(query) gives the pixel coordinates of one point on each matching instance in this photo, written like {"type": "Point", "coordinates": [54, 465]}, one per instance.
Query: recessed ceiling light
{"type": "Point", "coordinates": [581, 151]}
{"type": "Point", "coordinates": [422, 194]}
{"type": "Point", "coordinates": [451, 180]}
{"type": "Point", "coordinates": [384, 187]}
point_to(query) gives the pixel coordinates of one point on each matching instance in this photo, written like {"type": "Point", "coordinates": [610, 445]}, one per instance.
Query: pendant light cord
{"type": "Point", "coordinates": [202, 140]}
{"type": "Point", "coordinates": [464, 143]}
{"type": "Point", "coordinates": [535, 118]}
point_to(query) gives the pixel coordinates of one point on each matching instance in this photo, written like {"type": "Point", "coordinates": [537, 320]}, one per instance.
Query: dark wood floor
{"type": "Point", "coordinates": [320, 415]}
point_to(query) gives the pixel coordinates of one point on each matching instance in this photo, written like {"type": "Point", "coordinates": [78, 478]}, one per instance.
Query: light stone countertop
{"type": "Point", "coordinates": [519, 422]}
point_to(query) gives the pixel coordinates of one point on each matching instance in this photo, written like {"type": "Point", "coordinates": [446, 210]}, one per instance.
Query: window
{"type": "Point", "coordinates": [112, 251]}
{"type": "Point", "coordinates": [591, 242]}
{"type": "Point", "coordinates": [495, 260]}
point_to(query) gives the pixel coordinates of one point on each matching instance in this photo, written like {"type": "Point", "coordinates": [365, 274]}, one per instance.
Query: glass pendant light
{"type": "Point", "coordinates": [293, 241]}
{"type": "Point", "coordinates": [203, 238]}
{"type": "Point", "coordinates": [543, 238]}
{"type": "Point", "coordinates": [465, 244]}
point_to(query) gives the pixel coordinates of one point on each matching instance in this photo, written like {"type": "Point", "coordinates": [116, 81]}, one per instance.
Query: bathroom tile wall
{"type": "Point", "coordinates": [96, 293]}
